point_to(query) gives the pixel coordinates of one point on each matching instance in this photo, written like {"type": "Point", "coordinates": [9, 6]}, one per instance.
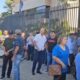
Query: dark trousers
{"type": "Point", "coordinates": [71, 57]}
{"type": "Point", "coordinates": [45, 58]}
{"type": "Point", "coordinates": [38, 58]}
{"type": "Point", "coordinates": [30, 52]}
{"type": "Point", "coordinates": [72, 65]}
{"type": "Point", "coordinates": [7, 61]}
{"type": "Point", "coordinates": [61, 77]}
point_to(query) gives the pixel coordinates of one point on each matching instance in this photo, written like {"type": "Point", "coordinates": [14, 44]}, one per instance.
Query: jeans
{"type": "Point", "coordinates": [77, 76]}
{"type": "Point", "coordinates": [16, 67]}
{"type": "Point", "coordinates": [49, 59]}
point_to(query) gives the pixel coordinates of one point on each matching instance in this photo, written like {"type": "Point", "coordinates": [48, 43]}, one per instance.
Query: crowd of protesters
{"type": "Point", "coordinates": [41, 48]}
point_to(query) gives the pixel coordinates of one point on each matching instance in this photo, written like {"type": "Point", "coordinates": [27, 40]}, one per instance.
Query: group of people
{"type": "Point", "coordinates": [13, 47]}
{"type": "Point", "coordinates": [41, 48]}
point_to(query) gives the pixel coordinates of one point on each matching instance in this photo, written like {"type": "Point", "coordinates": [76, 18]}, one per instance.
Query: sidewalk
{"type": "Point", "coordinates": [26, 73]}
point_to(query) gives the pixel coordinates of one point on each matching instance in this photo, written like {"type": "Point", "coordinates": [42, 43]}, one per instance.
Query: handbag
{"type": "Point", "coordinates": [54, 69]}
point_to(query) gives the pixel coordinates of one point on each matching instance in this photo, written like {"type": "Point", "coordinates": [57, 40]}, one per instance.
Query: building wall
{"type": "Point", "coordinates": [55, 3]}
{"type": "Point", "coordinates": [70, 15]}
{"type": "Point", "coordinates": [30, 4]}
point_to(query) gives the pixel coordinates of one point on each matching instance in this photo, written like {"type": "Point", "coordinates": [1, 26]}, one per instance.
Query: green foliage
{"type": "Point", "coordinates": [65, 25]}
{"type": "Point", "coordinates": [5, 14]}
{"type": "Point", "coordinates": [9, 5]}
{"type": "Point", "coordinates": [60, 27]}
{"type": "Point", "coordinates": [9, 1]}
{"type": "Point", "coordinates": [9, 8]}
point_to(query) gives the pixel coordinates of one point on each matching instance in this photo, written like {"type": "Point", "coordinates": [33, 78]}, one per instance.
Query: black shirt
{"type": "Point", "coordinates": [51, 44]}
{"type": "Point", "coordinates": [8, 44]}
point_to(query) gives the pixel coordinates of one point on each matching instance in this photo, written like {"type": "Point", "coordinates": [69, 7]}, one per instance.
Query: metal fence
{"type": "Point", "coordinates": [60, 19]}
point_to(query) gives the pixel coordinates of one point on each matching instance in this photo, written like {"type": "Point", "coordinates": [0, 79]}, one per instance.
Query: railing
{"type": "Point", "coordinates": [60, 19]}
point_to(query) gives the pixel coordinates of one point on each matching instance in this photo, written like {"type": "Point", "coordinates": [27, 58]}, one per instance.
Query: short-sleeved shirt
{"type": "Point", "coordinates": [19, 42]}
{"type": "Point", "coordinates": [8, 44]}
{"type": "Point", "coordinates": [51, 44]}
{"type": "Point", "coordinates": [40, 41]}
{"type": "Point", "coordinates": [30, 40]}
{"type": "Point", "coordinates": [77, 63]}
{"type": "Point", "coordinates": [63, 55]}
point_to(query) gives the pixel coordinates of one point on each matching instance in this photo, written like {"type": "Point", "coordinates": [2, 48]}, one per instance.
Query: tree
{"type": "Point", "coordinates": [9, 5]}
{"type": "Point", "coordinates": [5, 14]}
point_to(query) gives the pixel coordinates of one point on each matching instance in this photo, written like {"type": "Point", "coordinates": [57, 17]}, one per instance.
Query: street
{"type": "Point", "coordinates": [26, 72]}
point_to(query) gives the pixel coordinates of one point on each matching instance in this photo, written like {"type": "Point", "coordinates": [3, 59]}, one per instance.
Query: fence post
{"type": "Point", "coordinates": [49, 22]}
{"type": "Point", "coordinates": [48, 17]}
{"type": "Point", "coordinates": [79, 18]}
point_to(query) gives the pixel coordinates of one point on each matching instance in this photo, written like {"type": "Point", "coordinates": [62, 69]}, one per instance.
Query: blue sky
{"type": "Point", "coordinates": [2, 4]}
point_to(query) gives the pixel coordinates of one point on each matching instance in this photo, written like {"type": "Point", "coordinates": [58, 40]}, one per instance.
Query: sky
{"type": "Point", "coordinates": [2, 4]}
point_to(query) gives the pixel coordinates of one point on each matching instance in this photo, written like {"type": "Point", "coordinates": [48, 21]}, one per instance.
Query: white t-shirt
{"type": "Point", "coordinates": [40, 42]}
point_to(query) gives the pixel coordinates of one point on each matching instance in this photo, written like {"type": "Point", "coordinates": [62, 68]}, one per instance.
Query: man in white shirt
{"type": "Point", "coordinates": [39, 44]}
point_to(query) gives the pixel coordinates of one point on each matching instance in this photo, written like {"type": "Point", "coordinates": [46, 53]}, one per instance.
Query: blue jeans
{"type": "Point", "coordinates": [49, 59]}
{"type": "Point", "coordinates": [77, 76]}
{"type": "Point", "coordinates": [16, 67]}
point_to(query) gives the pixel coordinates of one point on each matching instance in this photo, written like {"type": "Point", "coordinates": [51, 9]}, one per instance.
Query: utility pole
{"type": "Point", "coordinates": [79, 18]}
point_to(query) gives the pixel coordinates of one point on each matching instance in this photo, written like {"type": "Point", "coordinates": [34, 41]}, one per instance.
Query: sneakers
{"type": "Point", "coordinates": [36, 72]}
{"type": "Point", "coordinates": [33, 73]}
{"type": "Point", "coordinates": [39, 72]}
{"type": "Point", "coordinates": [8, 77]}
{"type": "Point", "coordinates": [2, 77]}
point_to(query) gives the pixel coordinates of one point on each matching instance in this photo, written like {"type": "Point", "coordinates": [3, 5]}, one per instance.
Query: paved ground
{"type": "Point", "coordinates": [26, 72]}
